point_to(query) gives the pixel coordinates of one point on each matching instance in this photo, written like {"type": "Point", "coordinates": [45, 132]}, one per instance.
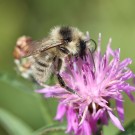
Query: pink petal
{"type": "Point", "coordinates": [120, 109]}
{"type": "Point", "coordinates": [60, 112]}
{"type": "Point", "coordinates": [115, 121]}
{"type": "Point", "coordinates": [86, 128]}
{"type": "Point", "coordinates": [104, 118]}
{"type": "Point", "coordinates": [72, 121]}
{"type": "Point", "coordinates": [84, 115]}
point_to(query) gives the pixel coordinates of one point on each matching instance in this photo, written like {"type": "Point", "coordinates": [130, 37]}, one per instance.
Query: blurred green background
{"type": "Point", "coordinates": [34, 18]}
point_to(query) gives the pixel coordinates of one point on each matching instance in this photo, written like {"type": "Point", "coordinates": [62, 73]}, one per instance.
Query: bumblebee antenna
{"type": "Point", "coordinates": [94, 46]}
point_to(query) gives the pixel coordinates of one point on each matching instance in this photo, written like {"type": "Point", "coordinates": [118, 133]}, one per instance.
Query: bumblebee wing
{"type": "Point", "coordinates": [36, 47]}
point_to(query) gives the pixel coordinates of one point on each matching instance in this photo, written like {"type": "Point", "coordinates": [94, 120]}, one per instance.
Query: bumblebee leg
{"type": "Point", "coordinates": [92, 60]}
{"type": "Point", "coordinates": [62, 83]}
{"type": "Point", "coordinates": [60, 79]}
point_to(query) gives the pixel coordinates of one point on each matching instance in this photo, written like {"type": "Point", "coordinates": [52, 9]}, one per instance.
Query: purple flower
{"type": "Point", "coordinates": [96, 83]}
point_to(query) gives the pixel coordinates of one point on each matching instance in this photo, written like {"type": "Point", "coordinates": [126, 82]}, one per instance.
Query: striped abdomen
{"type": "Point", "coordinates": [42, 67]}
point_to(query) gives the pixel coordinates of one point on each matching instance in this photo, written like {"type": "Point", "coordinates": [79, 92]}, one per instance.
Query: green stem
{"type": "Point", "coordinates": [47, 130]}
{"type": "Point", "coordinates": [45, 113]}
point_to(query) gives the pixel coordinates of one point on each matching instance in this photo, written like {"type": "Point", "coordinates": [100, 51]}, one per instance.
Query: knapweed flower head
{"type": "Point", "coordinates": [97, 81]}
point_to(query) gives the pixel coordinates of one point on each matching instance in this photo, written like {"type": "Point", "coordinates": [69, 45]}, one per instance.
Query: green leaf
{"type": "Point", "coordinates": [13, 125]}
{"type": "Point", "coordinates": [50, 130]}
{"type": "Point", "coordinates": [129, 129]}
{"type": "Point", "coordinates": [13, 82]}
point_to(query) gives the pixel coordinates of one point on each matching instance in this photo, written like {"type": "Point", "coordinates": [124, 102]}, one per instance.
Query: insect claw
{"type": "Point", "coordinates": [72, 91]}
{"type": "Point", "coordinates": [77, 94]}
